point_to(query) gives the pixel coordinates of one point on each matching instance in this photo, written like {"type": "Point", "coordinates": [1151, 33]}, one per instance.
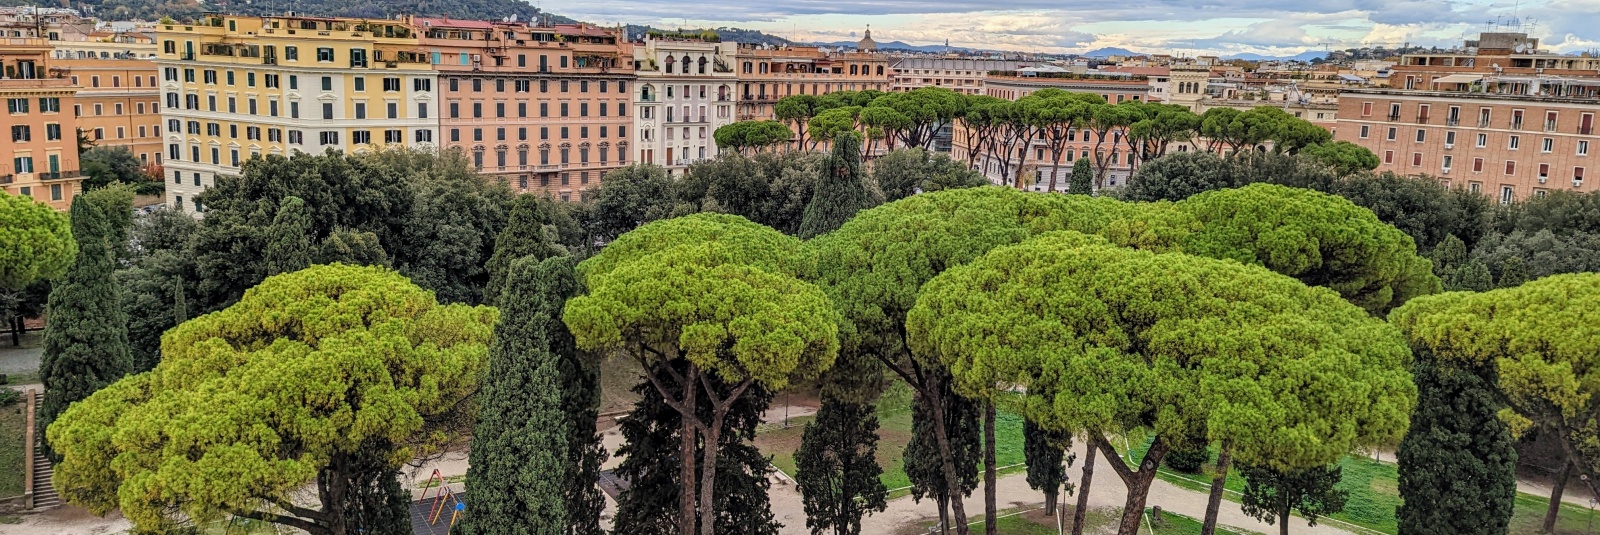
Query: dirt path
{"type": "Point", "coordinates": [1108, 491]}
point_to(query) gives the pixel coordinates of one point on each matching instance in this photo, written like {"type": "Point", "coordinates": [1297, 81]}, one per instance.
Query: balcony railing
{"type": "Point", "coordinates": [1394, 117]}
{"type": "Point", "coordinates": [1422, 119]}
{"type": "Point", "coordinates": [1549, 126]}
{"type": "Point", "coordinates": [187, 56]}
{"type": "Point", "coordinates": [1516, 125]}
{"type": "Point", "coordinates": [6, 179]}
{"type": "Point", "coordinates": [1454, 121]}
{"type": "Point", "coordinates": [1585, 130]}
{"type": "Point", "coordinates": [1483, 123]}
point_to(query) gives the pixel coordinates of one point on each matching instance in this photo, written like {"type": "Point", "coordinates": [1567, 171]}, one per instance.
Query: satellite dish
{"type": "Point", "coordinates": [1521, 47]}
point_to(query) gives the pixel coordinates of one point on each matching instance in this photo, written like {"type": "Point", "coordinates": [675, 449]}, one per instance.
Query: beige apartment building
{"type": "Point", "coordinates": [1507, 145]}
{"type": "Point", "coordinates": [961, 75]}
{"type": "Point", "coordinates": [766, 74]}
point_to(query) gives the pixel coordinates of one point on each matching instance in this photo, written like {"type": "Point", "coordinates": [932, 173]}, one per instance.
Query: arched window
{"type": "Point", "coordinates": [763, 68]}
{"type": "Point", "coordinates": [852, 70]}
{"type": "Point", "coordinates": [670, 60]}
{"type": "Point", "coordinates": [747, 67]}
{"type": "Point", "coordinates": [880, 70]}
{"type": "Point", "coordinates": [702, 67]}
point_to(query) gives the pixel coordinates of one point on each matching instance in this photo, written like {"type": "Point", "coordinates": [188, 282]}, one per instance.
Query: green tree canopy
{"type": "Point", "coordinates": [102, 166]}
{"type": "Point", "coordinates": [1320, 239]}
{"type": "Point", "coordinates": [901, 173]}
{"type": "Point", "coordinates": [1108, 339]}
{"type": "Point", "coordinates": [1537, 341]}
{"type": "Point", "coordinates": [716, 292]}
{"type": "Point", "coordinates": [752, 135]}
{"type": "Point", "coordinates": [289, 386]}
{"type": "Point", "coordinates": [841, 192]}
{"type": "Point", "coordinates": [1344, 157]}
{"type": "Point", "coordinates": [35, 244]}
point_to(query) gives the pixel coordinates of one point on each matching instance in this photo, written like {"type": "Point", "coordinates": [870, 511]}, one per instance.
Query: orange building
{"type": "Point", "coordinates": [1507, 146]}
{"type": "Point", "coordinates": [118, 103]}
{"type": "Point", "coordinates": [38, 148]}
{"type": "Point", "coordinates": [768, 74]}
{"type": "Point", "coordinates": [543, 107]}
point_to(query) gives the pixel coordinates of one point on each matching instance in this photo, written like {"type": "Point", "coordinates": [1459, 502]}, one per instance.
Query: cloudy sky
{"type": "Point", "coordinates": [1271, 27]}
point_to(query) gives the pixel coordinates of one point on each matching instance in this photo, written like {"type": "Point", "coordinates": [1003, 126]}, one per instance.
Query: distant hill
{"type": "Point", "coordinates": [1109, 51]}
{"type": "Point", "coordinates": [895, 45]}
{"type": "Point", "coordinates": [734, 35]}
{"type": "Point", "coordinates": [1303, 56]}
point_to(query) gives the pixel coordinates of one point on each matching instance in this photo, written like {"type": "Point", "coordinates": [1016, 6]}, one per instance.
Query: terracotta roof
{"type": "Point", "coordinates": [1141, 71]}
{"type": "Point", "coordinates": [581, 29]}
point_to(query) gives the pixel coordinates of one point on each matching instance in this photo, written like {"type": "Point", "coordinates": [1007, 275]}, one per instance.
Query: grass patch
{"type": "Point", "coordinates": [894, 432]}
{"type": "Point", "coordinates": [10, 519]}
{"type": "Point", "coordinates": [25, 378]}
{"type": "Point", "coordinates": [13, 433]}
{"type": "Point", "coordinates": [1169, 523]}
{"type": "Point", "coordinates": [1528, 516]}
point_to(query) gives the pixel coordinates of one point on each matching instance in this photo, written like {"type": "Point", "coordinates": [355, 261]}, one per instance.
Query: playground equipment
{"type": "Point", "coordinates": [444, 497]}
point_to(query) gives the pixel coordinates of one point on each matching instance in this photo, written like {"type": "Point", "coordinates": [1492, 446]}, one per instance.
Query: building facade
{"type": "Point", "coordinates": [1035, 163]}
{"type": "Point", "coordinates": [1506, 145]}
{"type": "Point", "coordinates": [38, 147]}
{"type": "Point", "coordinates": [236, 87]}
{"type": "Point", "coordinates": [685, 91]}
{"type": "Point", "coordinates": [118, 104]}
{"type": "Point", "coordinates": [544, 108]}
{"type": "Point", "coordinates": [766, 74]}
{"type": "Point", "coordinates": [961, 75]}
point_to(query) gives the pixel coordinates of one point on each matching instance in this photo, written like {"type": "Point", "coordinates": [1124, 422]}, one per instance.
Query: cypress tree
{"type": "Point", "coordinates": [528, 231]}
{"type": "Point", "coordinates": [1270, 495]}
{"type": "Point", "coordinates": [840, 191]}
{"type": "Point", "coordinates": [1045, 452]}
{"type": "Point", "coordinates": [518, 463]}
{"type": "Point", "coordinates": [838, 469]}
{"type": "Point", "coordinates": [1082, 181]}
{"type": "Point", "coordinates": [289, 238]}
{"type": "Point", "coordinates": [579, 376]}
{"type": "Point", "coordinates": [923, 465]}
{"type": "Point", "coordinates": [86, 341]}
{"type": "Point", "coordinates": [1458, 461]}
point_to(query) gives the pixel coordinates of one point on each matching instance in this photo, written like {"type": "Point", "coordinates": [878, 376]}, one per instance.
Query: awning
{"type": "Point", "coordinates": [1458, 79]}
{"type": "Point", "coordinates": [1352, 78]}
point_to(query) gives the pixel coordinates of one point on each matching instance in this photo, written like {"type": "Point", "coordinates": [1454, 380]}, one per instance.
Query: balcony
{"type": "Point", "coordinates": [1422, 119]}
{"type": "Point", "coordinates": [1394, 117]}
{"type": "Point", "coordinates": [1483, 122]}
{"type": "Point", "coordinates": [59, 175]}
{"type": "Point", "coordinates": [7, 179]}
{"type": "Point", "coordinates": [187, 56]}
{"type": "Point", "coordinates": [1453, 121]}
{"type": "Point", "coordinates": [1585, 130]}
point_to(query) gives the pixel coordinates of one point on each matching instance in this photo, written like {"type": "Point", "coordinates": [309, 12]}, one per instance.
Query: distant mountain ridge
{"type": "Point", "coordinates": [896, 45]}
{"type": "Point", "coordinates": [1247, 56]}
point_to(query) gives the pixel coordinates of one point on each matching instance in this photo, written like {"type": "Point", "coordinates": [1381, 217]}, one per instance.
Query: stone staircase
{"type": "Point", "coordinates": [44, 494]}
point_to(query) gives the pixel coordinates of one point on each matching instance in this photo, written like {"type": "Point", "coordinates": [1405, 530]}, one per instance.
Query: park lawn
{"type": "Point", "coordinates": [894, 432]}
{"type": "Point", "coordinates": [1375, 493]}
{"type": "Point", "coordinates": [1172, 523]}
{"type": "Point", "coordinates": [13, 430]}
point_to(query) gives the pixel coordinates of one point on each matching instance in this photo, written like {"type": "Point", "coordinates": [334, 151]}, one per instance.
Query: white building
{"type": "Point", "coordinates": [684, 92]}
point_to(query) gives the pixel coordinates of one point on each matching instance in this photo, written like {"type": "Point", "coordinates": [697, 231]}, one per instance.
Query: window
{"type": "Point", "coordinates": [324, 54]}
{"type": "Point", "coordinates": [1547, 145]}
{"type": "Point", "coordinates": [327, 83]}
{"type": "Point", "coordinates": [424, 136]}
{"type": "Point", "coordinates": [294, 82]}
{"type": "Point", "coordinates": [477, 86]}
{"type": "Point", "coordinates": [21, 133]}
{"type": "Point", "coordinates": [1583, 148]}
{"type": "Point", "coordinates": [329, 138]}
{"type": "Point", "coordinates": [1416, 159]}
{"type": "Point", "coordinates": [52, 132]}
{"type": "Point", "coordinates": [1507, 195]}
{"type": "Point", "coordinates": [563, 109]}
{"type": "Point", "coordinates": [230, 77]}
{"type": "Point", "coordinates": [17, 105]}
{"type": "Point", "coordinates": [1477, 165]}
{"type": "Point", "coordinates": [361, 110]}
{"type": "Point", "coordinates": [294, 110]}
{"type": "Point", "coordinates": [1447, 160]}
{"type": "Point", "coordinates": [544, 109]}
{"type": "Point", "coordinates": [1422, 135]}
{"type": "Point", "coordinates": [1388, 157]}
{"type": "Point", "coordinates": [361, 83]}
{"type": "Point", "coordinates": [1544, 172]}
{"type": "Point", "coordinates": [1392, 133]}
{"type": "Point", "coordinates": [1577, 176]}
{"type": "Point", "coordinates": [1449, 139]}
{"type": "Point", "coordinates": [394, 110]}
{"type": "Point", "coordinates": [1511, 167]}
{"type": "Point", "coordinates": [49, 105]}
{"type": "Point", "coordinates": [391, 84]}
{"type": "Point", "coordinates": [1366, 107]}
{"type": "Point", "coordinates": [394, 136]}
{"type": "Point", "coordinates": [1364, 131]}
{"type": "Point", "coordinates": [477, 110]}
{"type": "Point", "coordinates": [361, 137]}
{"type": "Point", "coordinates": [1483, 140]}
{"type": "Point", "coordinates": [422, 110]}
{"type": "Point", "coordinates": [327, 110]}
{"type": "Point", "coordinates": [1512, 142]}
{"type": "Point", "coordinates": [500, 109]}
{"type": "Point", "coordinates": [291, 53]}
{"type": "Point", "coordinates": [22, 164]}
{"type": "Point", "coordinates": [421, 85]}
{"type": "Point", "coordinates": [296, 137]}
{"type": "Point", "coordinates": [455, 110]}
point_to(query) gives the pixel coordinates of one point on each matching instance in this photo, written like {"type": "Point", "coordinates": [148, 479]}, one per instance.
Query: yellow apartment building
{"type": "Point", "coordinates": [234, 87]}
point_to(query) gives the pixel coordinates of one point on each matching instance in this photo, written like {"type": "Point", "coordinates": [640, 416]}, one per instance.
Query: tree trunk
{"type": "Point", "coordinates": [1137, 481]}
{"type": "Point", "coordinates": [990, 524]}
{"type": "Point", "coordinates": [1559, 486]}
{"type": "Point", "coordinates": [1050, 497]}
{"type": "Point", "coordinates": [332, 489]}
{"type": "Point", "coordinates": [708, 473]}
{"type": "Point", "coordinates": [16, 330]}
{"type": "Point", "coordinates": [1283, 519]}
{"type": "Point", "coordinates": [1218, 484]}
{"type": "Point", "coordinates": [944, 515]}
{"type": "Point", "coordinates": [947, 459]}
{"type": "Point", "coordinates": [1081, 511]}
{"type": "Point", "coordinates": [687, 455]}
